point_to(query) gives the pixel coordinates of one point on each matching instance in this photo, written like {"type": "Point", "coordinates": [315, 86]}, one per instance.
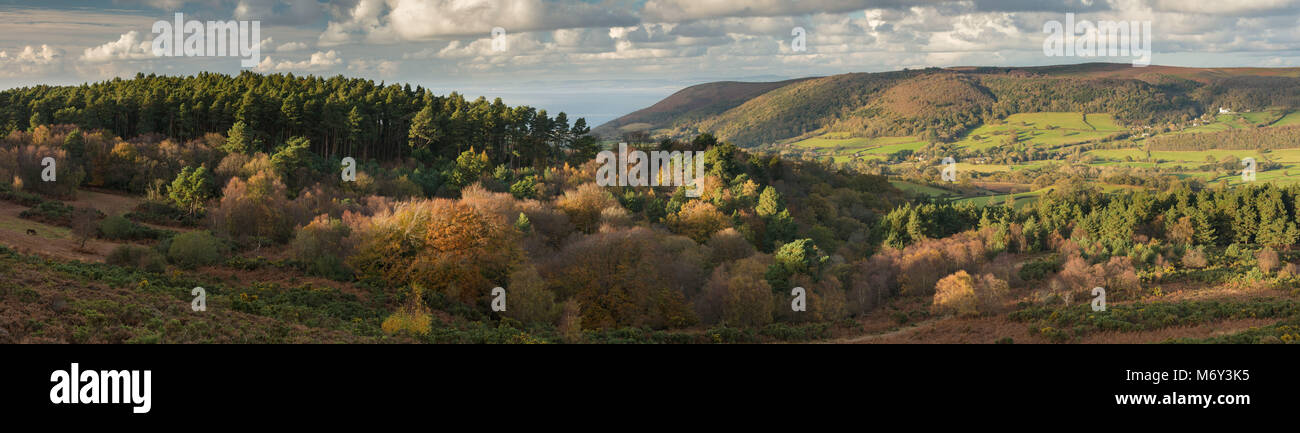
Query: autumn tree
{"type": "Point", "coordinates": [585, 204]}
{"type": "Point", "coordinates": [625, 278]}
{"type": "Point", "coordinates": [527, 298]}
{"type": "Point", "coordinates": [964, 295]}
{"type": "Point", "coordinates": [322, 245]}
{"type": "Point", "coordinates": [85, 225]}
{"type": "Point", "coordinates": [737, 295]}
{"type": "Point", "coordinates": [448, 247]}
{"type": "Point", "coordinates": [257, 210]}
{"type": "Point", "coordinates": [698, 220]}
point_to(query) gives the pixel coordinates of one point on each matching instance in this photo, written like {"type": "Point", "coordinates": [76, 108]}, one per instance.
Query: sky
{"type": "Point", "coordinates": [601, 59]}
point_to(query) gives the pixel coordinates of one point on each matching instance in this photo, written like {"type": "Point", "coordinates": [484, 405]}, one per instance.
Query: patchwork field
{"type": "Point", "coordinates": [1056, 138]}
{"type": "Point", "coordinates": [1042, 129]}
{"type": "Point", "coordinates": [844, 148]}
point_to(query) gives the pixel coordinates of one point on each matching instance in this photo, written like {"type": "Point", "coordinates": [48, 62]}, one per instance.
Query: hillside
{"type": "Point", "coordinates": [1062, 183]}
{"type": "Point", "coordinates": [688, 105]}
{"type": "Point", "coordinates": [942, 104]}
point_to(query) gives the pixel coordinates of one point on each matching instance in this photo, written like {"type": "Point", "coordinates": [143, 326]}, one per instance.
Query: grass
{"type": "Point", "coordinates": [920, 189]}
{"type": "Point", "coordinates": [45, 231]}
{"type": "Point", "coordinates": [1021, 198]}
{"type": "Point", "coordinates": [844, 148]}
{"type": "Point", "coordinates": [1052, 129]}
{"type": "Point", "coordinates": [1065, 323]}
{"type": "Point", "coordinates": [1062, 133]}
{"type": "Point", "coordinates": [1292, 118]}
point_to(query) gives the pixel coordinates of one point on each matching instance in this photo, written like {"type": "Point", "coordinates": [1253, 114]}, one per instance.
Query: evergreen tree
{"type": "Point", "coordinates": [191, 189]}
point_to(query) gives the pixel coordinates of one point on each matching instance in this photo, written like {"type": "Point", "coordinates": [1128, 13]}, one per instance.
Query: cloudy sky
{"type": "Point", "coordinates": [603, 58]}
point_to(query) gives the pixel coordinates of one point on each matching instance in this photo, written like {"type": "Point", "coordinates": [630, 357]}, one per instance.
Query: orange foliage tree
{"type": "Point", "coordinates": [448, 247]}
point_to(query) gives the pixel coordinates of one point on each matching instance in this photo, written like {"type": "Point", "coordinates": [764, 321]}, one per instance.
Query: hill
{"type": "Point", "coordinates": [943, 104]}
{"type": "Point", "coordinates": [690, 104]}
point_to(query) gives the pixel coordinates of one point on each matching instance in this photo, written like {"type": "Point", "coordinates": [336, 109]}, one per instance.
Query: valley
{"type": "Point", "coordinates": [1066, 179]}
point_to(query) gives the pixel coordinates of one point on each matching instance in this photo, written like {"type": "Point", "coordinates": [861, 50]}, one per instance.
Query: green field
{"type": "Point", "coordinates": [1292, 118]}
{"type": "Point", "coordinates": [1062, 132]}
{"type": "Point", "coordinates": [845, 149]}
{"type": "Point", "coordinates": [1042, 129]}
{"type": "Point", "coordinates": [1021, 198]}
{"type": "Point", "coordinates": [20, 225]}
{"type": "Point", "coordinates": [920, 189]}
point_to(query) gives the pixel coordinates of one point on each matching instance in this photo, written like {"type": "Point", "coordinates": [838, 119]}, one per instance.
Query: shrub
{"type": "Point", "coordinates": [525, 188]}
{"type": "Point", "coordinates": [407, 321]}
{"type": "Point", "coordinates": [161, 213]}
{"type": "Point", "coordinates": [412, 318]}
{"type": "Point", "coordinates": [117, 227]}
{"type": "Point", "coordinates": [56, 213]}
{"type": "Point", "coordinates": [1039, 269]}
{"type": "Point", "coordinates": [1267, 260]}
{"type": "Point", "coordinates": [135, 256]}
{"type": "Point", "coordinates": [737, 295]}
{"type": "Point", "coordinates": [1195, 258]}
{"type": "Point", "coordinates": [194, 249]}
{"type": "Point", "coordinates": [321, 246]}
{"type": "Point", "coordinates": [529, 300]}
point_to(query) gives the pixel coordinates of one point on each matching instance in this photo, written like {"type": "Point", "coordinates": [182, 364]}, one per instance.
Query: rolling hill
{"type": "Point", "coordinates": [692, 103]}
{"type": "Point", "coordinates": [943, 104]}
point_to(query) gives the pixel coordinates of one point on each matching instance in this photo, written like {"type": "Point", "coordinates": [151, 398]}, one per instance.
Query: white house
{"type": "Point", "coordinates": [1223, 110]}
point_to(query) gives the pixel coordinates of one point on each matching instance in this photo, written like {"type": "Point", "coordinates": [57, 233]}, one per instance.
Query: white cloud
{"type": "Point", "coordinates": [687, 10]}
{"type": "Point", "coordinates": [31, 61]}
{"type": "Point", "coordinates": [382, 68]}
{"type": "Point", "coordinates": [319, 61]}
{"type": "Point", "coordinates": [290, 47]}
{"type": "Point", "coordinates": [421, 20]}
{"type": "Point", "coordinates": [279, 12]}
{"type": "Point", "coordinates": [130, 46]}
{"type": "Point", "coordinates": [1233, 7]}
